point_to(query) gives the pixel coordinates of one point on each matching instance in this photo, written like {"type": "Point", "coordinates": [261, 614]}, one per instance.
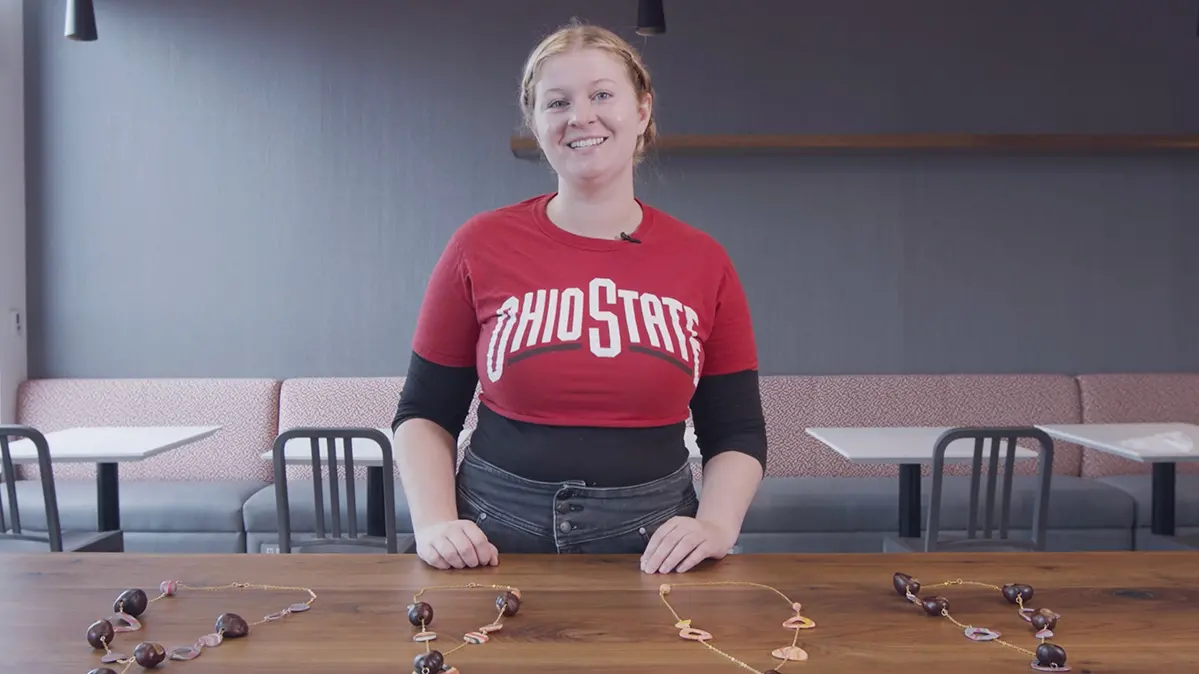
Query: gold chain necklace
{"type": "Point", "coordinates": [1049, 657]}
{"type": "Point", "coordinates": [132, 603]}
{"type": "Point", "coordinates": [420, 614]}
{"type": "Point", "coordinates": [784, 654]}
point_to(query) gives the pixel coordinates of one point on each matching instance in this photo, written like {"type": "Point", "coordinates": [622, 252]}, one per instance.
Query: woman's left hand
{"type": "Point", "coordinates": [681, 543]}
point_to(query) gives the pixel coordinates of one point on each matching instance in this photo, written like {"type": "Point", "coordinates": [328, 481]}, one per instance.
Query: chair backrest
{"type": "Point", "coordinates": [998, 436]}
{"type": "Point", "coordinates": [53, 526]}
{"type": "Point", "coordinates": [334, 456]}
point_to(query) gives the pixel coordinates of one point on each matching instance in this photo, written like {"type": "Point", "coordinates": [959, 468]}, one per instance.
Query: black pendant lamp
{"type": "Point", "coordinates": [81, 21]}
{"type": "Point", "coordinates": [651, 17]}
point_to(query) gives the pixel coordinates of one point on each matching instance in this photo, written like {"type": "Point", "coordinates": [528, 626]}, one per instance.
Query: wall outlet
{"type": "Point", "coordinates": [269, 548]}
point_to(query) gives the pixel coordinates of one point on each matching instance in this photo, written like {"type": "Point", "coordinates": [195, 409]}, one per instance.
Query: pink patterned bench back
{"type": "Point", "coordinates": [1136, 398]}
{"type": "Point", "coordinates": [343, 401]}
{"type": "Point", "coordinates": [793, 403]}
{"type": "Point", "coordinates": [247, 409]}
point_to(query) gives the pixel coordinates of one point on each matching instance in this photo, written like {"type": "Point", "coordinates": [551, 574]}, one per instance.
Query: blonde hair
{"type": "Point", "coordinates": [578, 35]}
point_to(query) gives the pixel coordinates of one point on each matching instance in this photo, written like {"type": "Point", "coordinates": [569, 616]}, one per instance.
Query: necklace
{"type": "Point", "coordinates": [420, 614]}
{"type": "Point", "coordinates": [1049, 657]}
{"type": "Point", "coordinates": [784, 654]}
{"type": "Point", "coordinates": [131, 604]}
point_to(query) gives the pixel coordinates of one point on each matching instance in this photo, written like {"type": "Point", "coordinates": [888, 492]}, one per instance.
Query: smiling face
{"type": "Point", "coordinates": [589, 102]}
{"type": "Point", "coordinates": [588, 117]}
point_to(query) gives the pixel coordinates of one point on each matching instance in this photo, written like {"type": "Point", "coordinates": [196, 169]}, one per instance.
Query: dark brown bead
{"type": "Point", "coordinates": [100, 633]}
{"type": "Point", "coordinates": [1017, 592]}
{"type": "Point", "coordinates": [420, 614]}
{"type": "Point", "coordinates": [934, 605]}
{"type": "Point", "coordinates": [102, 670]}
{"type": "Point", "coordinates": [508, 603]}
{"type": "Point", "coordinates": [428, 663]}
{"type": "Point", "coordinates": [904, 584]}
{"type": "Point", "coordinates": [133, 602]}
{"type": "Point", "coordinates": [1051, 655]}
{"type": "Point", "coordinates": [149, 655]}
{"type": "Point", "coordinates": [232, 626]}
{"type": "Point", "coordinates": [1044, 620]}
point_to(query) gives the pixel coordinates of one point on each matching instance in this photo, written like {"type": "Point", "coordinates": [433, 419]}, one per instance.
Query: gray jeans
{"type": "Point", "coordinates": [527, 516]}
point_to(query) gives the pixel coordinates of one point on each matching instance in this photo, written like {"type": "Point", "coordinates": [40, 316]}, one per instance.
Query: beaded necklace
{"type": "Point", "coordinates": [420, 614]}
{"type": "Point", "coordinates": [1049, 657]}
{"type": "Point", "coordinates": [132, 603]}
{"type": "Point", "coordinates": [784, 654]}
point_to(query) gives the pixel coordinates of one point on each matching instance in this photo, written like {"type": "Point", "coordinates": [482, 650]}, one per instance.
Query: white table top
{"type": "Point", "coordinates": [1145, 442]}
{"type": "Point", "coordinates": [900, 444]}
{"type": "Point", "coordinates": [110, 444]}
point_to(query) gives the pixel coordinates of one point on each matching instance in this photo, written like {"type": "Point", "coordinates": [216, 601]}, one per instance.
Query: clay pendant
{"type": "Point", "coordinates": [113, 657]}
{"type": "Point", "coordinates": [790, 653]}
{"type": "Point", "coordinates": [690, 633]}
{"type": "Point", "coordinates": [184, 653]}
{"type": "Point", "coordinates": [981, 634]}
{"type": "Point", "coordinates": [799, 623]}
{"type": "Point", "coordinates": [209, 640]}
{"type": "Point", "coordinates": [475, 638]}
{"type": "Point", "coordinates": [123, 622]}
{"type": "Point", "coordinates": [493, 627]}
{"type": "Point", "coordinates": [424, 636]}
{"type": "Point", "coordinates": [1045, 634]}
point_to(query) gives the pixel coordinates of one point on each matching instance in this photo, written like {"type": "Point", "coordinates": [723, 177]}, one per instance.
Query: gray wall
{"type": "Point", "coordinates": [260, 187]}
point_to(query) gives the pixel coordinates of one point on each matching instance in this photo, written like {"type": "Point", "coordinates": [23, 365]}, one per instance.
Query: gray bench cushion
{"type": "Point", "coordinates": [852, 504]}
{"type": "Point", "coordinates": [1140, 489]}
{"type": "Point", "coordinates": [261, 517]}
{"type": "Point", "coordinates": [148, 506]}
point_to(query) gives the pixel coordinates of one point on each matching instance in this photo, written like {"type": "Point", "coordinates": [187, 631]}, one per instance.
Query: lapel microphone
{"type": "Point", "coordinates": [626, 237]}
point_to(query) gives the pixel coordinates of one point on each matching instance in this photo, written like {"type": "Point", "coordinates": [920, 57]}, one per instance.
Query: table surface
{"type": "Point", "coordinates": [1120, 612]}
{"type": "Point", "coordinates": [1145, 442]}
{"type": "Point", "coordinates": [899, 444]}
{"type": "Point", "coordinates": [110, 444]}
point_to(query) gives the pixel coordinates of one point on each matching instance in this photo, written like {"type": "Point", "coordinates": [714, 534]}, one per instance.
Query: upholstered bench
{"type": "Point", "coordinates": [813, 499]}
{"type": "Point", "coordinates": [1140, 398]}
{"type": "Point", "coordinates": [325, 401]}
{"type": "Point", "coordinates": [185, 500]}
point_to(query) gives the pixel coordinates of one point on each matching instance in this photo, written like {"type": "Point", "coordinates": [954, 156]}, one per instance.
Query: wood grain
{"type": "Point", "coordinates": [526, 148]}
{"type": "Point", "coordinates": [1121, 612]}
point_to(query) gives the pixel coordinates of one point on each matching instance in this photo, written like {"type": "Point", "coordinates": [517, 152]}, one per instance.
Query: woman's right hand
{"type": "Point", "coordinates": [455, 544]}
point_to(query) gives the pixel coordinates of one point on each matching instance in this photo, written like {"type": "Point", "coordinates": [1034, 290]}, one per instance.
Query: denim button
{"type": "Point", "coordinates": [563, 507]}
{"type": "Point", "coordinates": [565, 527]}
{"type": "Point", "coordinates": [565, 494]}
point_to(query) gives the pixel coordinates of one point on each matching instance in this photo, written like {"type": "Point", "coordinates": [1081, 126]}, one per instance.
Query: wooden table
{"type": "Point", "coordinates": [907, 446]}
{"type": "Point", "coordinates": [1121, 612]}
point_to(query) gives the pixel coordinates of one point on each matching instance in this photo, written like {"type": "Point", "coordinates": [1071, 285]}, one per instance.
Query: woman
{"type": "Point", "coordinates": [593, 322]}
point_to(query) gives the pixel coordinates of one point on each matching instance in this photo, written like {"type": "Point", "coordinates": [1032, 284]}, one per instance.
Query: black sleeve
{"type": "Point", "coordinates": [727, 412]}
{"type": "Point", "coordinates": [438, 393]}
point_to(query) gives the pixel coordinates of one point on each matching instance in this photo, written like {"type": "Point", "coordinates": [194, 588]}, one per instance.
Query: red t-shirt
{"type": "Point", "coordinates": [575, 331]}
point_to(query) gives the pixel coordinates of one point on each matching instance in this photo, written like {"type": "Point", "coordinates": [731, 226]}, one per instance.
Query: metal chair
{"type": "Point", "coordinates": [988, 541]}
{"type": "Point", "coordinates": [12, 536]}
{"type": "Point", "coordinates": [353, 540]}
